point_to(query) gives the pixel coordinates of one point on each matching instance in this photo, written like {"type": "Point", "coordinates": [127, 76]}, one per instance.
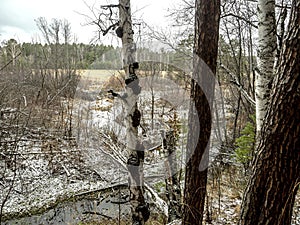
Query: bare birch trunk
{"type": "Point", "coordinates": [266, 57]}
{"type": "Point", "coordinates": [139, 209]}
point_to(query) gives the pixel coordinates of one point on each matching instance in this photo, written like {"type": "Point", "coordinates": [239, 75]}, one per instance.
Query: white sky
{"type": "Point", "coordinates": [17, 16]}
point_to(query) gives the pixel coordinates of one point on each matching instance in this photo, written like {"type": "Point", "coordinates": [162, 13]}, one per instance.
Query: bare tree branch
{"type": "Point", "coordinates": [237, 83]}
{"type": "Point", "coordinates": [241, 18]}
{"type": "Point", "coordinates": [12, 60]}
{"type": "Point", "coordinates": [110, 6]}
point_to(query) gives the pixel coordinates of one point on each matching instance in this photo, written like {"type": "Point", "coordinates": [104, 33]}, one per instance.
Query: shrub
{"type": "Point", "coordinates": [245, 144]}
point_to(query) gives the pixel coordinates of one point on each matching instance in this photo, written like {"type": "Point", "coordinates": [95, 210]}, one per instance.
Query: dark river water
{"type": "Point", "coordinates": [111, 205]}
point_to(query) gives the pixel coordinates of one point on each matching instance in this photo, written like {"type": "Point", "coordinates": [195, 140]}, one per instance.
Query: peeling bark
{"type": "Point", "coordinates": [135, 151]}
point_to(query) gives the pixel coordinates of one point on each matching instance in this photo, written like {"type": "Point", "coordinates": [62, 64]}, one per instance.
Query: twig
{"type": "Point", "coordinates": [162, 205]}
{"type": "Point", "coordinates": [110, 27]}
{"type": "Point", "coordinates": [97, 213]}
{"type": "Point", "coordinates": [67, 171]}
{"type": "Point", "coordinates": [240, 18]}
{"type": "Point", "coordinates": [153, 148]}
{"type": "Point", "coordinates": [41, 153]}
{"type": "Point", "coordinates": [60, 91]}
{"type": "Point", "coordinates": [240, 87]}
{"type": "Point", "coordinates": [110, 6]}
{"type": "Point", "coordinates": [14, 58]}
{"type": "Point", "coordinates": [6, 197]}
{"type": "Point", "coordinates": [121, 185]}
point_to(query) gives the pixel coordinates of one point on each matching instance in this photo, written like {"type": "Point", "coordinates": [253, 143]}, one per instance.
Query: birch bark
{"type": "Point", "coordinates": [135, 151]}
{"type": "Point", "coordinates": [265, 57]}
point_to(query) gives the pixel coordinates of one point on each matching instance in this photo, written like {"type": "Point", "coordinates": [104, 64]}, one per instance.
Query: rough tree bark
{"type": "Point", "coordinates": [207, 18]}
{"type": "Point", "coordinates": [265, 58]}
{"type": "Point", "coordinates": [139, 208]}
{"type": "Point", "coordinates": [271, 191]}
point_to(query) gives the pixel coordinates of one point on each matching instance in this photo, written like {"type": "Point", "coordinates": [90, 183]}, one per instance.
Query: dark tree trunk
{"type": "Point", "coordinates": [272, 188]}
{"type": "Point", "coordinates": [205, 48]}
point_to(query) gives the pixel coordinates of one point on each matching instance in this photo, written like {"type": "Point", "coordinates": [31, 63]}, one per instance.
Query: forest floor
{"type": "Point", "coordinates": [225, 194]}
{"type": "Point", "coordinates": [50, 171]}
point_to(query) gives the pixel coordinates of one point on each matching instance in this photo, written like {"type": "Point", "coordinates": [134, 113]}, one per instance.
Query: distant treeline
{"type": "Point", "coordinates": [77, 56]}
{"type": "Point", "coordinates": [60, 56]}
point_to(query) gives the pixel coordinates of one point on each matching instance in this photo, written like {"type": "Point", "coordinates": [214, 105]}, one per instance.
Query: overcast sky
{"type": "Point", "coordinates": [17, 16]}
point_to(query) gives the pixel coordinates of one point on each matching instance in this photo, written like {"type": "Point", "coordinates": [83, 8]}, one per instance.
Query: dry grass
{"type": "Point", "coordinates": [225, 196]}
{"type": "Point", "coordinates": [152, 221]}
{"type": "Point", "coordinates": [99, 75]}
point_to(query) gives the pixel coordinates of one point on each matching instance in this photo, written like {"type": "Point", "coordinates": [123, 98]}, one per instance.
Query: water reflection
{"type": "Point", "coordinates": [109, 206]}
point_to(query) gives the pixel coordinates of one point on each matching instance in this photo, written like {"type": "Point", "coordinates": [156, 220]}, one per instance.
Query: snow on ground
{"type": "Point", "coordinates": [47, 175]}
